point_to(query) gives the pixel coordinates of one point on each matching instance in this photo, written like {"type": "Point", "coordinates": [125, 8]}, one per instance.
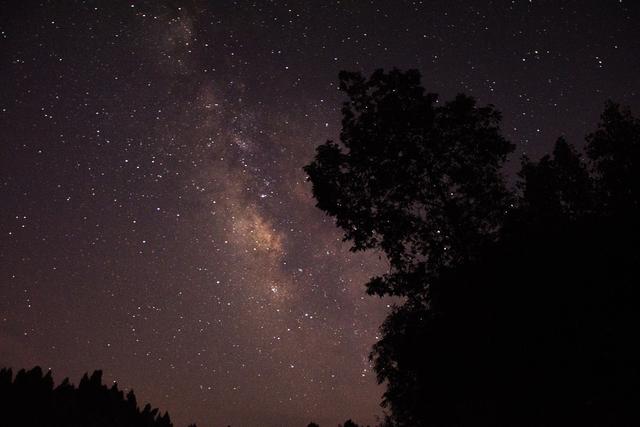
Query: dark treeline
{"type": "Point", "coordinates": [520, 306]}
{"type": "Point", "coordinates": [31, 400]}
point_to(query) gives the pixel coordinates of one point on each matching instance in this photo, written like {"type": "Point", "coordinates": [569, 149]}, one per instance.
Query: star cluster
{"type": "Point", "coordinates": [156, 222]}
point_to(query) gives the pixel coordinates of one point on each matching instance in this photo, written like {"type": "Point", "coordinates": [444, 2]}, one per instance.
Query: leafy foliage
{"type": "Point", "coordinates": [419, 181]}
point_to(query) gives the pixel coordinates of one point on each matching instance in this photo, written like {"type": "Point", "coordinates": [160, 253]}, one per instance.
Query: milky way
{"type": "Point", "coordinates": [156, 222]}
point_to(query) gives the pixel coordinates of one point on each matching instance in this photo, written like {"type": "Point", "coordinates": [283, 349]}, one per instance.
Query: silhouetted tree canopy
{"type": "Point", "coordinates": [30, 399]}
{"type": "Point", "coordinates": [417, 180]}
{"type": "Point", "coordinates": [521, 306]}
{"type": "Point", "coordinates": [614, 149]}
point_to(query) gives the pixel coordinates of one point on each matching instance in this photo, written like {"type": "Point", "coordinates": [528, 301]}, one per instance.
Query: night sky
{"type": "Point", "coordinates": [155, 221]}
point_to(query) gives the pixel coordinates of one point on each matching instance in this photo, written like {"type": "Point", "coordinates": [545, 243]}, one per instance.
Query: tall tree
{"type": "Point", "coordinates": [414, 179]}
{"type": "Point", "coordinates": [558, 185]}
{"type": "Point", "coordinates": [614, 149]}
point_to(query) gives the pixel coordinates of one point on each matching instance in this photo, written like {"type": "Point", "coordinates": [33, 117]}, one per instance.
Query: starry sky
{"type": "Point", "coordinates": [155, 221]}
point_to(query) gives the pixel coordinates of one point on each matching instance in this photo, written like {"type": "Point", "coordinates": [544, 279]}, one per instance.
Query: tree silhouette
{"type": "Point", "coordinates": [529, 317]}
{"type": "Point", "coordinates": [419, 181]}
{"type": "Point", "coordinates": [557, 186]}
{"type": "Point", "coordinates": [31, 400]}
{"type": "Point", "coordinates": [614, 151]}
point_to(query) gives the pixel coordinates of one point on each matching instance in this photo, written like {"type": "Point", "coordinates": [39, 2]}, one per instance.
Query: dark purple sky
{"type": "Point", "coordinates": [155, 221]}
